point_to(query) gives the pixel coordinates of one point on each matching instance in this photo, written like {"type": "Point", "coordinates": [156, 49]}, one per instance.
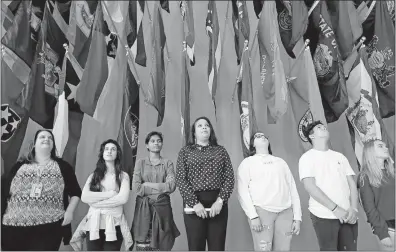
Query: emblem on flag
{"type": "Point", "coordinates": [131, 125]}
{"type": "Point", "coordinates": [49, 58]}
{"type": "Point", "coordinates": [284, 19]}
{"type": "Point", "coordinates": [376, 60]}
{"type": "Point", "coordinates": [84, 17]}
{"type": "Point", "coordinates": [304, 121]}
{"type": "Point", "coordinates": [323, 60]}
{"type": "Point", "coordinates": [245, 123]}
{"type": "Point", "coordinates": [9, 122]}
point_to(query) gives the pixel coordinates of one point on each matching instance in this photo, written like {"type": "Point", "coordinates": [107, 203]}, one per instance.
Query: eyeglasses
{"type": "Point", "coordinates": [260, 135]}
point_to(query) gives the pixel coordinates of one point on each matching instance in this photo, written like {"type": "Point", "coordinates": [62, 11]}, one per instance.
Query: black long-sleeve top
{"type": "Point", "coordinates": [378, 203]}
{"type": "Point", "coordinates": [204, 169]}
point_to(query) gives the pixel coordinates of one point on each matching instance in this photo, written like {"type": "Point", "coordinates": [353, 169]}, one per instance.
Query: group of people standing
{"type": "Point", "coordinates": [41, 193]}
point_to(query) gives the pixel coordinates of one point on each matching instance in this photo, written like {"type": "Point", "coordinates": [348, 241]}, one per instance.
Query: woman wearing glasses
{"type": "Point", "coordinates": [268, 195]}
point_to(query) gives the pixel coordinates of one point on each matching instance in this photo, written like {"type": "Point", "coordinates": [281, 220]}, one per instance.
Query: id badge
{"type": "Point", "coordinates": [36, 190]}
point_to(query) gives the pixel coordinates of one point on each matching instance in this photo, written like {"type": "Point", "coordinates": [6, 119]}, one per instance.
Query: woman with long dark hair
{"type": "Point", "coordinates": [268, 195]}
{"type": "Point", "coordinates": [376, 184]}
{"type": "Point", "coordinates": [153, 181]}
{"type": "Point", "coordinates": [39, 196]}
{"type": "Point", "coordinates": [106, 192]}
{"type": "Point", "coordinates": [205, 178]}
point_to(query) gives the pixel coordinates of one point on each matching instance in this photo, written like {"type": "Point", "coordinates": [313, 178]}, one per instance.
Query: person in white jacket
{"type": "Point", "coordinates": [268, 195]}
{"type": "Point", "coordinates": [106, 192]}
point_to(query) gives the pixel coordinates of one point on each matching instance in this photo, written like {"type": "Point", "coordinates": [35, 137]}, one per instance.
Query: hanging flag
{"type": "Point", "coordinates": [328, 66]}
{"type": "Point", "coordinates": [361, 110]}
{"type": "Point", "coordinates": [305, 97]}
{"type": "Point", "coordinates": [245, 98]}
{"type": "Point", "coordinates": [213, 31]}
{"type": "Point", "coordinates": [293, 22]}
{"type": "Point", "coordinates": [129, 130]}
{"type": "Point", "coordinates": [82, 16]}
{"type": "Point", "coordinates": [75, 115]}
{"type": "Point", "coordinates": [188, 23]}
{"type": "Point", "coordinates": [185, 99]}
{"type": "Point", "coordinates": [273, 78]}
{"type": "Point", "coordinates": [390, 143]}
{"type": "Point", "coordinates": [240, 20]}
{"type": "Point", "coordinates": [346, 25]}
{"type": "Point", "coordinates": [61, 124]}
{"type": "Point", "coordinates": [17, 37]}
{"type": "Point", "coordinates": [96, 70]}
{"type": "Point", "coordinates": [381, 58]}
{"type": "Point", "coordinates": [14, 118]}
{"type": "Point", "coordinates": [134, 30]}
{"type": "Point", "coordinates": [43, 85]}
{"type": "Point", "coordinates": [156, 90]}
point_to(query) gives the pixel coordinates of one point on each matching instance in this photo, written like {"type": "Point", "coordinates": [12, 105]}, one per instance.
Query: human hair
{"type": "Point", "coordinates": [212, 137]}
{"type": "Point", "coordinates": [101, 169]}
{"type": "Point", "coordinates": [154, 133]}
{"type": "Point", "coordinates": [372, 168]}
{"type": "Point", "coordinates": [308, 130]}
{"type": "Point", "coordinates": [31, 155]}
{"type": "Point", "coordinates": [252, 149]}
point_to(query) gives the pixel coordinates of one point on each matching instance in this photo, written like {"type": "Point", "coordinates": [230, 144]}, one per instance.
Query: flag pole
{"type": "Point", "coordinates": [128, 50]}
{"type": "Point", "coordinates": [151, 21]}
{"type": "Point", "coordinates": [313, 7]}
{"type": "Point", "coordinates": [223, 37]}
{"type": "Point", "coordinates": [239, 76]}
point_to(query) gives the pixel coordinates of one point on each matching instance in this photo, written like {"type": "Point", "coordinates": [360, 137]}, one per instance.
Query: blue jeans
{"type": "Point", "coordinates": [333, 236]}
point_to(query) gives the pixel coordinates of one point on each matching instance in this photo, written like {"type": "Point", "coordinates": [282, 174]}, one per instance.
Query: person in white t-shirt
{"type": "Point", "coordinates": [268, 194]}
{"type": "Point", "coordinates": [329, 180]}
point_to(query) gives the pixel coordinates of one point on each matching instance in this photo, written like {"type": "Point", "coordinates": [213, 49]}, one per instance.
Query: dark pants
{"type": "Point", "coordinates": [46, 237]}
{"type": "Point", "coordinates": [102, 245]}
{"type": "Point", "coordinates": [333, 236]}
{"type": "Point", "coordinates": [211, 230]}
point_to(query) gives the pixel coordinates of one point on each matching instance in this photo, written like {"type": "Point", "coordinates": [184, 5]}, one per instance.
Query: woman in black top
{"type": "Point", "coordinates": [376, 184]}
{"type": "Point", "coordinates": [36, 212]}
{"type": "Point", "coordinates": [205, 178]}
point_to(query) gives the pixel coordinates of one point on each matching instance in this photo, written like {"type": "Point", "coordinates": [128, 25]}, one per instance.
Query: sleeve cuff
{"type": "Point", "coordinates": [253, 215]}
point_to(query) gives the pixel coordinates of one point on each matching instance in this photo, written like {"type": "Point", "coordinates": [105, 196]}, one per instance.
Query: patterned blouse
{"type": "Point", "coordinates": [46, 206]}
{"type": "Point", "coordinates": [204, 169]}
{"type": "Point", "coordinates": [162, 173]}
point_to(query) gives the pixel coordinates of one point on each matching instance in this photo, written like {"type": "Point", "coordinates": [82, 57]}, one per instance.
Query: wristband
{"type": "Point", "coordinates": [334, 208]}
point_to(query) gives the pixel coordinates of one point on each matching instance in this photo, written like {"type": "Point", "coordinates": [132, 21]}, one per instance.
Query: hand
{"type": "Point", "coordinates": [67, 218]}
{"type": "Point", "coordinates": [200, 210]}
{"type": "Point", "coordinates": [296, 227]}
{"type": "Point", "coordinates": [215, 209]}
{"type": "Point", "coordinates": [352, 216]}
{"type": "Point", "coordinates": [256, 224]}
{"type": "Point", "coordinates": [340, 213]}
{"type": "Point", "coordinates": [387, 242]}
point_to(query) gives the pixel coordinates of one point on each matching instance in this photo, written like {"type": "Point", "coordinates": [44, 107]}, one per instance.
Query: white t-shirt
{"type": "Point", "coordinates": [267, 182]}
{"type": "Point", "coordinates": [330, 170]}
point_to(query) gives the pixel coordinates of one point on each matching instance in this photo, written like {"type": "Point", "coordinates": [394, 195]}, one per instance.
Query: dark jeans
{"type": "Point", "coordinates": [102, 245]}
{"type": "Point", "coordinates": [333, 236]}
{"type": "Point", "coordinates": [211, 230]}
{"type": "Point", "coordinates": [46, 237]}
